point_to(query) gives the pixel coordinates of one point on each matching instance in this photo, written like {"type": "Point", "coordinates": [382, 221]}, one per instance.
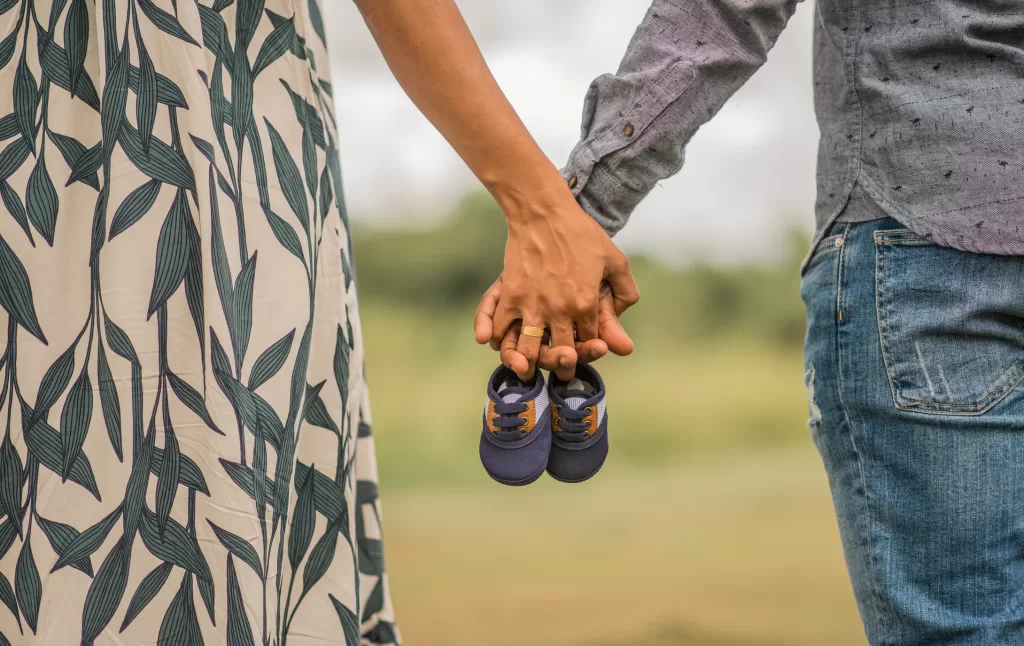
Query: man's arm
{"type": "Point", "coordinates": [685, 60]}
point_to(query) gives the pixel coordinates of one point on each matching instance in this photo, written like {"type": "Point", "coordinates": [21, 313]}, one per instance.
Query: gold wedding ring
{"type": "Point", "coordinates": [529, 330]}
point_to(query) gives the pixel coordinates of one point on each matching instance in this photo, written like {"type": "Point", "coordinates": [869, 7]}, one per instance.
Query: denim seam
{"type": "Point", "coordinates": [839, 277]}
{"type": "Point", "coordinates": [831, 242]}
{"type": "Point", "coordinates": [1000, 390]}
{"type": "Point", "coordinates": [880, 320]}
{"type": "Point", "coordinates": [819, 250]}
{"type": "Point", "coordinates": [901, 236]}
{"type": "Point", "coordinates": [1007, 383]}
{"type": "Point", "coordinates": [863, 529]}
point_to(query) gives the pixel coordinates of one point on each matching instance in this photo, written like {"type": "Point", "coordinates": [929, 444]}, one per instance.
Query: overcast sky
{"type": "Point", "coordinates": [749, 173]}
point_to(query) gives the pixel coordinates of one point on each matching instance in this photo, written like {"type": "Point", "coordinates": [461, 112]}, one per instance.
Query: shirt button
{"type": "Point", "coordinates": [628, 130]}
{"type": "Point", "coordinates": [572, 182]}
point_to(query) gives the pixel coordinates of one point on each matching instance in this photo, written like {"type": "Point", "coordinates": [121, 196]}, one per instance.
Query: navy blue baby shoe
{"type": "Point", "coordinates": [579, 425]}
{"type": "Point", "coordinates": [516, 437]}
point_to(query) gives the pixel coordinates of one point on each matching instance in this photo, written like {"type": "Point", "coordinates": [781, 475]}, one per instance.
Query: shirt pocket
{"type": "Point", "coordinates": [951, 324]}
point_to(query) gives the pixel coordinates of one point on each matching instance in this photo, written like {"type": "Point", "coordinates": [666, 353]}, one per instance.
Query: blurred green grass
{"type": "Point", "coordinates": [711, 523]}
{"type": "Point", "coordinates": [668, 403]}
{"type": "Point", "coordinates": [737, 550]}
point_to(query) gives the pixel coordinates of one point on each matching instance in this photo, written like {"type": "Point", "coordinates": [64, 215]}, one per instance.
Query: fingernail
{"type": "Point", "coordinates": [564, 362]}
{"type": "Point", "coordinates": [594, 354]}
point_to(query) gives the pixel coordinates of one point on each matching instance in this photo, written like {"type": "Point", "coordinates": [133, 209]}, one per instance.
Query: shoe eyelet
{"type": "Point", "coordinates": [586, 425]}
{"type": "Point", "coordinates": [588, 410]}
{"type": "Point", "coordinates": [558, 408]}
{"type": "Point", "coordinates": [523, 421]}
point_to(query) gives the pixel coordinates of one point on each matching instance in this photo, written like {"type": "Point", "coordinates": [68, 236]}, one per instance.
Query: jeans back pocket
{"type": "Point", "coordinates": [951, 324]}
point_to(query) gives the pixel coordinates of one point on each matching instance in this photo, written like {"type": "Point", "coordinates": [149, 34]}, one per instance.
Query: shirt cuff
{"type": "Point", "coordinates": [598, 192]}
{"type": "Point", "coordinates": [627, 145]}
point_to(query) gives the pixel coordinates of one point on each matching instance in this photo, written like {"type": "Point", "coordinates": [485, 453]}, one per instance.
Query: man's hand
{"type": "Point", "coordinates": [559, 359]}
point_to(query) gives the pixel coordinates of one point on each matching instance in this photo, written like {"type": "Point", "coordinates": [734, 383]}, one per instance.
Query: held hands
{"type": "Point", "coordinates": [557, 257]}
{"type": "Point", "coordinates": [561, 360]}
{"type": "Point", "coordinates": [563, 273]}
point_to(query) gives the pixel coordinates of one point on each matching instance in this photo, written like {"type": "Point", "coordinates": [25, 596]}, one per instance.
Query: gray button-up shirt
{"type": "Point", "coordinates": [919, 102]}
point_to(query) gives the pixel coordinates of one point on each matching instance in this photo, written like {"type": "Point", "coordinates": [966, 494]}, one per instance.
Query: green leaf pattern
{"type": "Point", "coordinates": [185, 446]}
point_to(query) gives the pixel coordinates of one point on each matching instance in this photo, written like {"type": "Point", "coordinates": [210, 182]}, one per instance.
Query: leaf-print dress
{"type": "Point", "coordinates": [186, 454]}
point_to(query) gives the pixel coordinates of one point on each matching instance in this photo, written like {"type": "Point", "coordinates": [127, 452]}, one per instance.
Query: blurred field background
{"type": "Point", "coordinates": [711, 523]}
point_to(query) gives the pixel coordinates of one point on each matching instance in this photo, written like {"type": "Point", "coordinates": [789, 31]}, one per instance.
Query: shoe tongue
{"type": "Point", "coordinates": [576, 392]}
{"type": "Point", "coordinates": [512, 391]}
{"type": "Point", "coordinates": [576, 384]}
{"type": "Point", "coordinates": [575, 398]}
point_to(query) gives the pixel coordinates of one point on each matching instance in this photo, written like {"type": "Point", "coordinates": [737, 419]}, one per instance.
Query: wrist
{"type": "Point", "coordinates": [541, 194]}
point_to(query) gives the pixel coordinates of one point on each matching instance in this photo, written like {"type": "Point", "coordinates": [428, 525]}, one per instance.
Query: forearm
{"type": "Point", "coordinates": [686, 59]}
{"type": "Point", "coordinates": [434, 57]}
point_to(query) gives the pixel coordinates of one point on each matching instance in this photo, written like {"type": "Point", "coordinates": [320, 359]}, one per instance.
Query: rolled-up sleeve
{"type": "Point", "coordinates": [685, 60]}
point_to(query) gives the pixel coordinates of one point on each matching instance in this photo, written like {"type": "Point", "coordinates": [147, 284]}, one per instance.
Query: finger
{"type": "Point", "coordinates": [511, 358]}
{"type": "Point", "coordinates": [503, 319]}
{"type": "Point", "coordinates": [591, 350]}
{"type": "Point", "coordinates": [517, 363]}
{"type": "Point", "coordinates": [561, 337]}
{"type": "Point", "coordinates": [529, 347]}
{"type": "Point", "coordinates": [555, 359]}
{"type": "Point", "coordinates": [609, 328]}
{"type": "Point", "coordinates": [622, 283]}
{"type": "Point", "coordinates": [483, 321]}
{"type": "Point", "coordinates": [586, 325]}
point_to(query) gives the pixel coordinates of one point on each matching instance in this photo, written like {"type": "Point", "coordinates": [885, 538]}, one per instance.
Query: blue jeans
{"type": "Point", "coordinates": [914, 360]}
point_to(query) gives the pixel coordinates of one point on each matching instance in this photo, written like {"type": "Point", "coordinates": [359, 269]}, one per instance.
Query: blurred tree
{"type": "Point", "coordinates": [450, 265]}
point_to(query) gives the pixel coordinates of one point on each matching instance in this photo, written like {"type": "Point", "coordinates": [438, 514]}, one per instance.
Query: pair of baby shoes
{"type": "Point", "coordinates": [558, 426]}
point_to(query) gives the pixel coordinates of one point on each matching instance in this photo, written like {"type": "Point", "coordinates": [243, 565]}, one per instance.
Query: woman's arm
{"type": "Point", "coordinates": [556, 256]}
